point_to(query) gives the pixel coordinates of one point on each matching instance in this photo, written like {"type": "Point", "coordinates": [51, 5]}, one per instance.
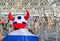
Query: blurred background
{"type": "Point", "coordinates": [44, 17]}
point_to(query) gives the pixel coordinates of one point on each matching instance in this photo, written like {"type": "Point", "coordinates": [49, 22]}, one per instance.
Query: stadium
{"type": "Point", "coordinates": [44, 19]}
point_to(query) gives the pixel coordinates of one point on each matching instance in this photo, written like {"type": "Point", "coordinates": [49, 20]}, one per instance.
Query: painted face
{"type": "Point", "coordinates": [19, 21]}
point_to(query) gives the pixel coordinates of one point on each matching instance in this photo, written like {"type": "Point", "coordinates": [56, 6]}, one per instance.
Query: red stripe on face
{"type": "Point", "coordinates": [19, 26]}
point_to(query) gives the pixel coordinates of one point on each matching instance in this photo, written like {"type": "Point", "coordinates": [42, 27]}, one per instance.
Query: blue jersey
{"type": "Point", "coordinates": [21, 35]}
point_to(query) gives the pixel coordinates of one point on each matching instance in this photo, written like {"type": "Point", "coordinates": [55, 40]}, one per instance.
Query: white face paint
{"type": "Point", "coordinates": [19, 20]}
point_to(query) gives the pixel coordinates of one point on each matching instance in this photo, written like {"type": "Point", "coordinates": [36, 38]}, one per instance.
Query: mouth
{"type": "Point", "coordinates": [19, 25]}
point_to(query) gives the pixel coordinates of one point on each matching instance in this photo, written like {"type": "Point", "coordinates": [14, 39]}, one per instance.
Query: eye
{"type": "Point", "coordinates": [19, 17]}
{"type": "Point", "coordinates": [23, 22]}
{"type": "Point", "coordinates": [14, 22]}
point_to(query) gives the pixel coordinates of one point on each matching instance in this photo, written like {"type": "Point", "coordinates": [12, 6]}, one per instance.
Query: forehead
{"type": "Point", "coordinates": [19, 20]}
{"type": "Point", "coordinates": [20, 16]}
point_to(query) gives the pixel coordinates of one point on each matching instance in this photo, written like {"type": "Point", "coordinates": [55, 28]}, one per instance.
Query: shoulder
{"type": "Point", "coordinates": [13, 33]}
{"type": "Point", "coordinates": [21, 32]}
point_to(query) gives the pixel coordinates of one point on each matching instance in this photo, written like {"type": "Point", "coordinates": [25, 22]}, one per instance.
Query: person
{"type": "Point", "coordinates": [21, 32]}
{"type": "Point", "coordinates": [3, 22]}
{"type": "Point", "coordinates": [1, 37]}
{"type": "Point", "coordinates": [36, 26]}
{"type": "Point", "coordinates": [51, 23]}
{"type": "Point", "coordinates": [9, 26]}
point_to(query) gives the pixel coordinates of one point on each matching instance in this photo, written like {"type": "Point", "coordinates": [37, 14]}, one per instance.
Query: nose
{"type": "Point", "coordinates": [19, 17]}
